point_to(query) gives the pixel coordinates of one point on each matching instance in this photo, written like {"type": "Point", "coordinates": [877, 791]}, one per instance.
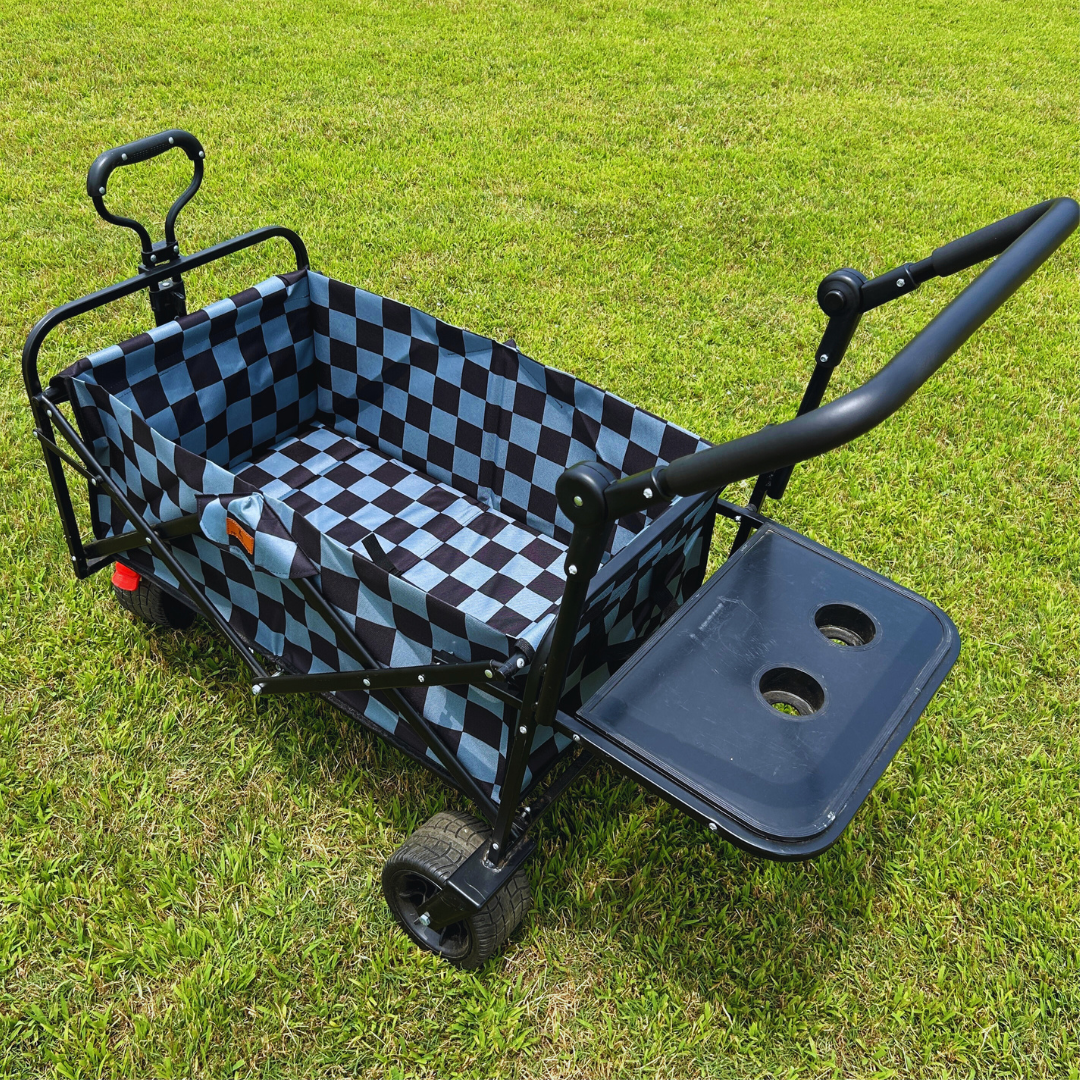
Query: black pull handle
{"type": "Point", "coordinates": [985, 243]}
{"type": "Point", "coordinates": [97, 182]}
{"type": "Point", "coordinates": [97, 179]}
{"type": "Point", "coordinates": [1023, 241]}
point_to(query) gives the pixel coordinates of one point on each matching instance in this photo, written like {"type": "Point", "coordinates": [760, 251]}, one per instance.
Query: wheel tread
{"type": "Point", "coordinates": [436, 849]}
{"type": "Point", "coordinates": [154, 605]}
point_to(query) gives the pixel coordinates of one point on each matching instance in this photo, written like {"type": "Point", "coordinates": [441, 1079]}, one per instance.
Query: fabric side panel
{"type": "Point", "coordinates": [638, 599]}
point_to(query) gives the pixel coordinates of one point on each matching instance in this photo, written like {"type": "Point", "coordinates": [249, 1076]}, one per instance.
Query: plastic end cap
{"type": "Point", "coordinates": [125, 579]}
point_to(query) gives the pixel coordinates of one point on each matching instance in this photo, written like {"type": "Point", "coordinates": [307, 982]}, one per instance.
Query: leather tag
{"type": "Point", "coordinates": [238, 532]}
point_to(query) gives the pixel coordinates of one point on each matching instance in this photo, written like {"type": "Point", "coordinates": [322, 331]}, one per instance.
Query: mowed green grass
{"type": "Point", "coordinates": [645, 195]}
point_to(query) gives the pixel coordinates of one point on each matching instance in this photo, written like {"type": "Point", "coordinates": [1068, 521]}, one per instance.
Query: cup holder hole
{"type": "Point", "coordinates": [845, 625]}
{"type": "Point", "coordinates": [791, 691]}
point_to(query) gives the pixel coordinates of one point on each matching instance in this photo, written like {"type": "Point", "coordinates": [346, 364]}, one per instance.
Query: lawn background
{"type": "Point", "coordinates": [647, 196]}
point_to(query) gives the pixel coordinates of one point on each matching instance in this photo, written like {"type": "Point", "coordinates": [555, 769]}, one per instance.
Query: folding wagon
{"type": "Point", "coordinates": [497, 567]}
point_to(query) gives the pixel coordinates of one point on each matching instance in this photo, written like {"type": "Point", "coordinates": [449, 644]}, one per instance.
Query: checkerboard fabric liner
{"type": "Point", "coordinates": [452, 547]}
{"type": "Point", "coordinates": [410, 466]}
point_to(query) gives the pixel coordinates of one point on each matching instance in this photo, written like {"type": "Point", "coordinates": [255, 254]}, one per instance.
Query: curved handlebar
{"type": "Point", "coordinates": [140, 150]}
{"type": "Point", "coordinates": [1024, 241]}
{"type": "Point", "coordinates": [97, 179]}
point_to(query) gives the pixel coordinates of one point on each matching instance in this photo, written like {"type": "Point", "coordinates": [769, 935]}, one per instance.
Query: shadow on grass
{"type": "Point", "coordinates": [618, 871]}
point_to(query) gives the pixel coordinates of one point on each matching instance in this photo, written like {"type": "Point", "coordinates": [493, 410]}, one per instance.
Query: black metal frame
{"type": "Point", "coordinates": [589, 494]}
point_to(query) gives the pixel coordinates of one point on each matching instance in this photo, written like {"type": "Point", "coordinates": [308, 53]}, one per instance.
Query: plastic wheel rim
{"type": "Point", "coordinates": [411, 892]}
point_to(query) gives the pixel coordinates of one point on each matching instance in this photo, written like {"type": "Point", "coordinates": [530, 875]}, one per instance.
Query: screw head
{"type": "Point", "coordinates": [148, 541]}
{"type": "Point", "coordinates": [123, 157]}
{"type": "Point", "coordinates": [176, 249]}
{"type": "Point", "coordinates": [738, 519]}
{"type": "Point", "coordinates": [367, 682]}
{"type": "Point", "coordinates": [425, 919]}
{"type": "Point", "coordinates": [202, 153]}
{"type": "Point", "coordinates": [488, 674]}
{"type": "Point", "coordinates": [571, 569]}
{"type": "Point", "coordinates": [523, 730]}
{"type": "Point", "coordinates": [494, 847]}
{"type": "Point", "coordinates": [647, 493]}
{"type": "Point", "coordinates": [153, 258]}
{"type": "Point", "coordinates": [170, 142]}
{"type": "Point", "coordinates": [419, 678]}
{"type": "Point", "coordinates": [823, 358]}
{"type": "Point", "coordinates": [577, 738]}
{"type": "Point", "coordinates": [900, 283]}
{"type": "Point", "coordinates": [578, 501]}
{"type": "Point", "coordinates": [520, 662]}
{"type": "Point", "coordinates": [101, 191]}
{"type": "Point", "coordinates": [712, 826]}
{"type": "Point", "coordinates": [257, 689]}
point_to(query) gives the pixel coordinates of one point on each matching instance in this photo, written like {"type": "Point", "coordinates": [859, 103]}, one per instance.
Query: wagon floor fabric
{"type": "Point", "coordinates": [478, 560]}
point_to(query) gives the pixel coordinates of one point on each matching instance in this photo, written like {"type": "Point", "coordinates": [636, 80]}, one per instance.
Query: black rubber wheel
{"type": "Point", "coordinates": [155, 605]}
{"type": "Point", "coordinates": [423, 864]}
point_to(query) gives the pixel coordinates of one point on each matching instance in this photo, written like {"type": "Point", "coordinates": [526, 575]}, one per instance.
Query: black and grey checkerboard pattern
{"type": "Point", "coordinates": [471, 413]}
{"type": "Point", "coordinates": [655, 574]}
{"type": "Point", "coordinates": [347, 423]}
{"type": "Point", "coordinates": [453, 548]}
{"type": "Point", "coordinates": [223, 380]}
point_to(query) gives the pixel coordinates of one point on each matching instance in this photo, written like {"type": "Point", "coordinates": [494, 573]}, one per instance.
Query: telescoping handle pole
{"type": "Point", "coordinates": [1023, 242]}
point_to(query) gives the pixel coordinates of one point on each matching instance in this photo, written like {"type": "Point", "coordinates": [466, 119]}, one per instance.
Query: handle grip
{"type": "Point", "coordinates": [97, 179]}
{"type": "Point", "coordinates": [985, 243]}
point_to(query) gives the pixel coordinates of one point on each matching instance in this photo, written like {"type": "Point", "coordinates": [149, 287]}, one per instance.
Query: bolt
{"type": "Point", "coordinates": [520, 662]}
{"type": "Point", "coordinates": [488, 674]}
{"type": "Point", "coordinates": [367, 682]}
{"type": "Point", "coordinates": [419, 678]}
{"type": "Point", "coordinates": [425, 919]}
{"type": "Point", "coordinates": [577, 738]}
{"type": "Point", "coordinates": [257, 689]}
{"type": "Point", "coordinates": [170, 142]}
{"type": "Point", "coordinates": [900, 283]}
{"type": "Point", "coordinates": [73, 559]}
{"type": "Point", "coordinates": [647, 493]}
{"type": "Point", "coordinates": [153, 258]}
{"type": "Point", "coordinates": [176, 249]}
{"type": "Point", "coordinates": [202, 153]}
{"type": "Point", "coordinates": [101, 191]}
{"type": "Point", "coordinates": [123, 157]}
{"type": "Point", "coordinates": [494, 846]}
{"type": "Point", "coordinates": [523, 730]}
{"type": "Point", "coordinates": [93, 482]}
{"type": "Point", "coordinates": [712, 826]}
{"type": "Point", "coordinates": [823, 358]}
{"type": "Point", "coordinates": [149, 542]}
{"type": "Point", "coordinates": [571, 569]}
{"type": "Point", "coordinates": [738, 519]}
{"type": "Point", "coordinates": [578, 501]}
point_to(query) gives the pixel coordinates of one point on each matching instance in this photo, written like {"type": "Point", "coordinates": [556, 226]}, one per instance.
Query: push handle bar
{"type": "Point", "coordinates": [985, 243]}
{"type": "Point", "coordinates": [97, 179]}
{"type": "Point", "coordinates": [1024, 241]}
